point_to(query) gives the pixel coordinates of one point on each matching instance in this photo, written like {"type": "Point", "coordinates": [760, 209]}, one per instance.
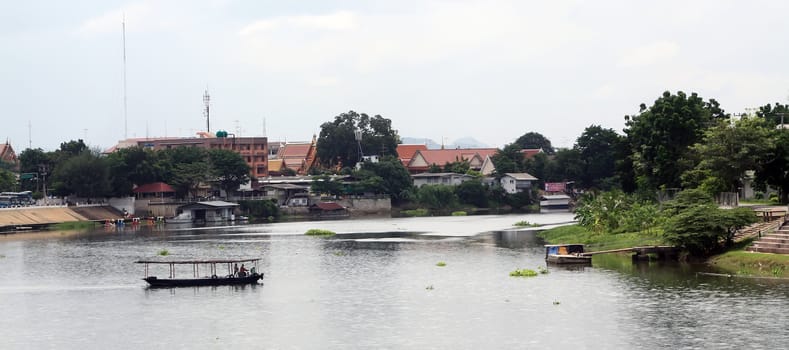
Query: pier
{"type": "Point", "coordinates": [663, 252]}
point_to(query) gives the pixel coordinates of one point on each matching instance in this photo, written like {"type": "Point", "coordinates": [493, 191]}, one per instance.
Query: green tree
{"type": "Point", "coordinates": [598, 154]}
{"type": "Point", "coordinates": [325, 184]}
{"type": "Point", "coordinates": [187, 177]}
{"type": "Point", "coordinates": [460, 167]}
{"type": "Point", "coordinates": [534, 140]}
{"type": "Point", "coordinates": [85, 175]}
{"type": "Point", "coordinates": [726, 152]}
{"type": "Point", "coordinates": [472, 192]}
{"type": "Point", "coordinates": [774, 114]}
{"type": "Point", "coordinates": [132, 166]}
{"type": "Point", "coordinates": [228, 168]}
{"type": "Point", "coordinates": [660, 137]}
{"type": "Point", "coordinates": [33, 160]}
{"type": "Point", "coordinates": [774, 163]}
{"type": "Point", "coordinates": [703, 229]}
{"type": "Point", "coordinates": [438, 197]}
{"type": "Point", "coordinates": [564, 165]}
{"type": "Point", "coordinates": [7, 180]}
{"type": "Point", "coordinates": [337, 145]}
{"type": "Point", "coordinates": [508, 160]}
{"type": "Point", "coordinates": [396, 181]}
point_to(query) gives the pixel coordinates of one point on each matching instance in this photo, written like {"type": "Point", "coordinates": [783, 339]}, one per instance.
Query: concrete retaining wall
{"type": "Point", "coordinates": [367, 206]}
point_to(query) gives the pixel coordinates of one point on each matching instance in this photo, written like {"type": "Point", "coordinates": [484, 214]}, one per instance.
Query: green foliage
{"type": "Point", "coordinates": [508, 160]}
{"type": "Point", "coordinates": [472, 192]}
{"type": "Point", "coordinates": [74, 225]}
{"type": "Point", "coordinates": [752, 264]}
{"type": "Point", "coordinates": [437, 197]}
{"type": "Point", "coordinates": [523, 273]}
{"type": "Point", "coordinates": [774, 163]}
{"type": "Point", "coordinates": [7, 180]}
{"type": "Point", "coordinates": [337, 145]}
{"type": "Point", "coordinates": [774, 114]}
{"type": "Point", "coordinates": [132, 166]}
{"type": "Point", "coordinates": [325, 184]}
{"type": "Point", "coordinates": [535, 140]}
{"type": "Point", "coordinates": [459, 166]}
{"type": "Point", "coordinates": [416, 212]}
{"type": "Point", "coordinates": [599, 150]}
{"type": "Point", "coordinates": [261, 208]}
{"type": "Point", "coordinates": [164, 252]}
{"type": "Point", "coordinates": [392, 177]}
{"type": "Point", "coordinates": [525, 223]}
{"type": "Point", "coordinates": [520, 200]}
{"type": "Point", "coordinates": [726, 152]}
{"type": "Point", "coordinates": [660, 135]}
{"type": "Point", "coordinates": [459, 213]}
{"type": "Point", "coordinates": [319, 232]}
{"type": "Point", "coordinates": [597, 241]}
{"type": "Point", "coordinates": [602, 212]}
{"type": "Point", "coordinates": [704, 228]}
{"type": "Point", "coordinates": [441, 264]}
{"type": "Point", "coordinates": [86, 175]}
{"type": "Point", "coordinates": [228, 168]}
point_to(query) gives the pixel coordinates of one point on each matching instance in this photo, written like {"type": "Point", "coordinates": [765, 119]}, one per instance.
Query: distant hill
{"type": "Point", "coordinates": [463, 142]}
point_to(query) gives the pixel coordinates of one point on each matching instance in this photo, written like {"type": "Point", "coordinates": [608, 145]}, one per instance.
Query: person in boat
{"type": "Point", "coordinates": [235, 269]}
{"type": "Point", "coordinates": [242, 272]}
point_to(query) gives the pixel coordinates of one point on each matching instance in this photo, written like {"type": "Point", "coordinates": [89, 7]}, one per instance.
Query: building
{"type": "Point", "coordinates": [555, 203]}
{"type": "Point", "coordinates": [422, 160]}
{"type": "Point", "coordinates": [517, 182]}
{"type": "Point", "coordinates": [406, 152]}
{"type": "Point", "coordinates": [213, 211]}
{"type": "Point", "coordinates": [297, 156]}
{"type": "Point", "coordinates": [449, 179]}
{"type": "Point", "coordinates": [488, 167]}
{"type": "Point", "coordinates": [254, 150]}
{"type": "Point", "coordinates": [7, 155]}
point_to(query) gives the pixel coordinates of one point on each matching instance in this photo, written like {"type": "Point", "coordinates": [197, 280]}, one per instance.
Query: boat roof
{"type": "Point", "coordinates": [562, 245]}
{"type": "Point", "coordinates": [215, 261]}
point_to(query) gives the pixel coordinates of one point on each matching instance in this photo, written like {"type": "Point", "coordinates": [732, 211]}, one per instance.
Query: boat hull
{"type": "Point", "coordinates": [196, 282]}
{"type": "Point", "coordinates": [568, 259]}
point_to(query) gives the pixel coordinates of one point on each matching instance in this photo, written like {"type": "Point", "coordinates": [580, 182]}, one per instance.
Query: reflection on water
{"type": "Point", "coordinates": [374, 285]}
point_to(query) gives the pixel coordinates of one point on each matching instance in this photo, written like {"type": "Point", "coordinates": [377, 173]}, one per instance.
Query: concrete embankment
{"type": "Point", "coordinates": [53, 215]}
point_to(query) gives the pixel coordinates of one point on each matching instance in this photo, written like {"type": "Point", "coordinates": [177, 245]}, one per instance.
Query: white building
{"type": "Point", "coordinates": [517, 182]}
{"type": "Point", "coordinates": [450, 179]}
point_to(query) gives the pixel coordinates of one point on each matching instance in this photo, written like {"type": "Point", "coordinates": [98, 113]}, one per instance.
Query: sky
{"type": "Point", "coordinates": [439, 69]}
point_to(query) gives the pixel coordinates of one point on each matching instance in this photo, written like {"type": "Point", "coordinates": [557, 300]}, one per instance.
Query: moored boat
{"type": "Point", "coordinates": [213, 279]}
{"type": "Point", "coordinates": [566, 254]}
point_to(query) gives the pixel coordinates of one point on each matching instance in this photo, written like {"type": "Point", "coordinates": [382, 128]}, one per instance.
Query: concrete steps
{"type": "Point", "coordinates": [776, 243]}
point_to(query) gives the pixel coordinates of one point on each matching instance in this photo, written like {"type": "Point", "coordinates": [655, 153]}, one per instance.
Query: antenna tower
{"type": "Point", "coordinates": [125, 118]}
{"type": "Point", "coordinates": [207, 111]}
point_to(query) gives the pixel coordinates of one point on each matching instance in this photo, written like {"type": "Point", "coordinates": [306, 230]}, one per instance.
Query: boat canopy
{"type": "Point", "coordinates": [218, 261]}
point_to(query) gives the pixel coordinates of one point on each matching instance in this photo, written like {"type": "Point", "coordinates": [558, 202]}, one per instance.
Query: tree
{"type": "Point", "coordinates": [774, 114]}
{"type": "Point", "coordinates": [508, 160]}
{"type": "Point", "coordinates": [228, 168]}
{"type": "Point", "coordinates": [661, 134]}
{"type": "Point", "coordinates": [396, 181]}
{"type": "Point", "coordinates": [33, 160]}
{"type": "Point", "coordinates": [459, 167]}
{"type": "Point", "coordinates": [774, 163]}
{"type": "Point", "coordinates": [472, 192]}
{"type": "Point", "coordinates": [702, 229]}
{"type": "Point", "coordinates": [85, 175]}
{"type": "Point", "coordinates": [598, 148]}
{"type": "Point", "coordinates": [726, 152]}
{"type": "Point", "coordinates": [187, 177]}
{"type": "Point", "coordinates": [534, 140]}
{"type": "Point", "coordinates": [7, 181]}
{"type": "Point", "coordinates": [132, 166]}
{"type": "Point", "coordinates": [337, 145]}
{"type": "Point", "coordinates": [438, 197]}
{"type": "Point", "coordinates": [325, 184]}
{"type": "Point", "coordinates": [565, 165]}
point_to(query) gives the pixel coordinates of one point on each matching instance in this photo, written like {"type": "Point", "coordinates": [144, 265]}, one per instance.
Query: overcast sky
{"type": "Point", "coordinates": [491, 70]}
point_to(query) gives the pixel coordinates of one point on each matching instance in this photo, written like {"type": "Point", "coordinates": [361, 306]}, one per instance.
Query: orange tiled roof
{"type": "Point", "coordinates": [294, 150]}
{"type": "Point", "coordinates": [443, 156]}
{"type": "Point", "coordinates": [531, 152]}
{"type": "Point", "coordinates": [406, 152]}
{"type": "Point", "coordinates": [7, 153]}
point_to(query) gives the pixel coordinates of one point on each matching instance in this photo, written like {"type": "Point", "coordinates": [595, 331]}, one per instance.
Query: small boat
{"type": "Point", "coordinates": [231, 278]}
{"type": "Point", "coordinates": [566, 254]}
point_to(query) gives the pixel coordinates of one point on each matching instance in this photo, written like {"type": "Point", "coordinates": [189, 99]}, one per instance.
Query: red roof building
{"type": "Point", "coordinates": [406, 152]}
{"type": "Point", "coordinates": [7, 154]}
{"type": "Point", "coordinates": [423, 159]}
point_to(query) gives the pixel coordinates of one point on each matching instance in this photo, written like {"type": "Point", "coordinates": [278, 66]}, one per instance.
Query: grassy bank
{"type": "Point", "coordinates": [741, 262]}
{"type": "Point", "coordinates": [599, 241]}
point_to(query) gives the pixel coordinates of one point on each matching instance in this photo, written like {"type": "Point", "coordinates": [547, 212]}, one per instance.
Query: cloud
{"type": "Point", "coordinates": [140, 17]}
{"type": "Point", "coordinates": [432, 33]}
{"type": "Point", "coordinates": [647, 55]}
{"type": "Point", "coordinates": [337, 21]}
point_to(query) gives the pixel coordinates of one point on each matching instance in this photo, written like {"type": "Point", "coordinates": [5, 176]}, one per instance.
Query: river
{"type": "Point", "coordinates": [374, 285]}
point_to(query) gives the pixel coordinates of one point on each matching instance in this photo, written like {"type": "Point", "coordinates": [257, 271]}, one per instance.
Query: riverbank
{"type": "Point", "coordinates": [737, 261]}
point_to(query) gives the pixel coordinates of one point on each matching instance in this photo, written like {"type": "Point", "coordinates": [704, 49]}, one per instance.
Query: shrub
{"type": "Point", "coordinates": [266, 209]}
{"type": "Point", "coordinates": [416, 212]}
{"type": "Point", "coordinates": [523, 273]}
{"type": "Point", "coordinates": [319, 232]}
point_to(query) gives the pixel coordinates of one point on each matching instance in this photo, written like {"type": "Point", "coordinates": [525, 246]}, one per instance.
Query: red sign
{"type": "Point", "coordinates": [555, 186]}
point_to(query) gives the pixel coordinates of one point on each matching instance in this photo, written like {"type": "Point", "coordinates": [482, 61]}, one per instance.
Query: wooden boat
{"type": "Point", "coordinates": [231, 278]}
{"type": "Point", "coordinates": [566, 254]}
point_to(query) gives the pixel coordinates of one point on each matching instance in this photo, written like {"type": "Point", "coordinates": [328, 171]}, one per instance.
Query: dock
{"type": "Point", "coordinates": [663, 252]}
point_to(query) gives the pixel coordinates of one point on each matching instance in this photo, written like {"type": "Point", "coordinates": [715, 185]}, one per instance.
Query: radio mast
{"type": "Point", "coordinates": [207, 111]}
